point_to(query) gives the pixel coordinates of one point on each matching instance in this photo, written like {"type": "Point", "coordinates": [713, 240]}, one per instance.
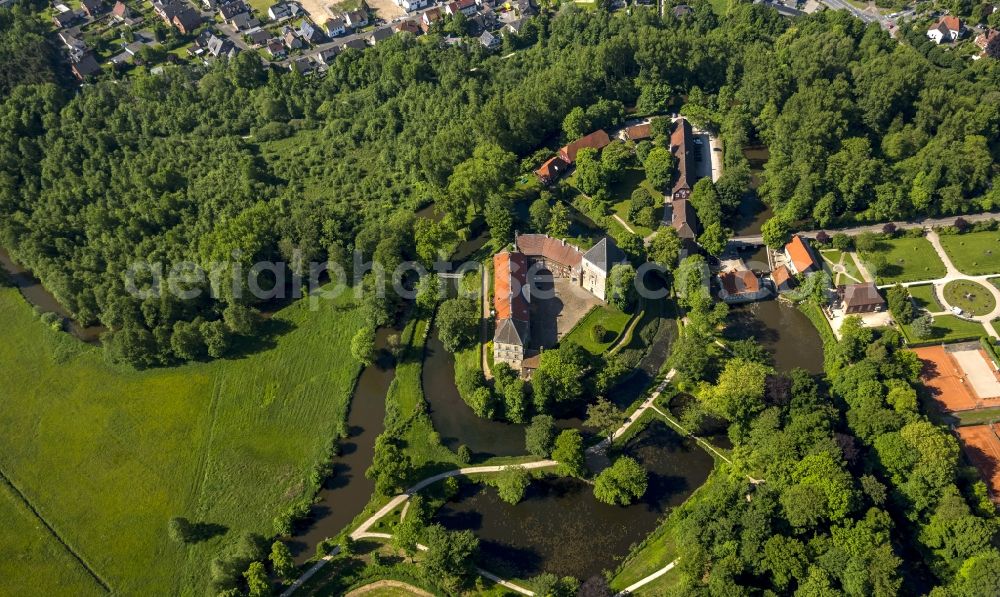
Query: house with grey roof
{"type": "Point", "coordinates": [595, 267]}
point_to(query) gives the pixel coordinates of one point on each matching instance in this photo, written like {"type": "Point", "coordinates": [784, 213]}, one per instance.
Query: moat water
{"type": "Point", "coordinates": [559, 526]}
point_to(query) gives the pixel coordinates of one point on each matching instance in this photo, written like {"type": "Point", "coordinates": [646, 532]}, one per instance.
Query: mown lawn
{"type": "Point", "coordinates": [925, 297]}
{"type": "Point", "coordinates": [947, 328]}
{"type": "Point", "coordinates": [974, 253]}
{"type": "Point", "coordinates": [108, 455]}
{"type": "Point", "coordinates": [613, 320]}
{"type": "Point", "coordinates": [907, 260]}
{"type": "Point", "coordinates": [34, 561]}
{"type": "Point", "coordinates": [972, 297]}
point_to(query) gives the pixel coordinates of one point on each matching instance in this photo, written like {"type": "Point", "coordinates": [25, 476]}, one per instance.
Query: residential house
{"type": "Point", "coordinates": [800, 256]}
{"type": "Point", "coordinates": [380, 34]}
{"type": "Point", "coordinates": [482, 21]}
{"type": "Point", "coordinates": [280, 11]}
{"type": "Point", "coordinates": [244, 22]}
{"type": "Point", "coordinates": [466, 7]}
{"type": "Point", "coordinates": [120, 12]}
{"type": "Point", "coordinates": [525, 8]}
{"type": "Point", "coordinates": [258, 37]}
{"type": "Point", "coordinates": [292, 41]}
{"type": "Point", "coordinates": [356, 44]}
{"type": "Point", "coordinates": [65, 19]}
{"type": "Point", "coordinates": [948, 28]}
{"type": "Point", "coordinates": [429, 17]}
{"type": "Point", "coordinates": [133, 48]}
{"type": "Point", "coordinates": [551, 170]}
{"type": "Point", "coordinates": [220, 46]}
{"type": "Point", "coordinates": [92, 8]}
{"type": "Point", "coordinates": [187, 20]}
{"type": "Point", "coordinates": [230, 9]}
{"type": "Point", "coordinates": [310, 33]}
{"type": "Point", "coordinates": [335, 26]}
{"type": "Point", "coordinates": [409, 26]}
{"type": "Point", "coordinates": [741, 286]}
{"type": "Point", "coordinates": [209, 4]}
{"type": "Point", "coordinates": [680, 146]}
{"type": "Point", "coordinates": [782, 278]}
{"type": "Point", "coordinates": [681, 11]}
{"type": "Point", "coordinates": [85, 67]}
{"type": "Point", "coordinates": [638, 132]}
{"type": "Point", "coordinates": [989, 43]}
{"type": "Point", "coordinates": [357, 18]}
{"type": "Point", "coordinates": [301, 65]}
{"type": "Point", "coordinates": [327, 56]}
{"type": "Point", "coordinates": [862, 298]}
{"type": "Point", "coordinates": [514, 26]}
{"type": "Point", "coordinates": [75, 46]}
{"type": "Point", "coordinates": [276, 49]}
{"type": "Point", "coordinates": [167, 9]}
{"type": "Point", "coordinates": [412, 5]}
{"type": "Point", "coordinates": [489, 41]}
{"type": "Point", "coordinates": [596, 140]}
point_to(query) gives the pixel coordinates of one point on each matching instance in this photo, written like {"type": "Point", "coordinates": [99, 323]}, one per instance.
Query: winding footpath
{"type": "Point", "coordinates": [363, 532]}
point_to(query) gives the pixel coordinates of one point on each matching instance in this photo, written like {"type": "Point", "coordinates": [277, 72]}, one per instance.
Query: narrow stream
{"type": "Point", "coordinates": [347, 491]}
{"type": "Point", "coordinates": [37, 296]}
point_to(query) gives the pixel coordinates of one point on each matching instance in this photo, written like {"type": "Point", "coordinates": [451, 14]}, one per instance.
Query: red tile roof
{"type": "Point", "coordinates": [680, 147]}
{"type": "Point", "coordinates": [553, 249]}
{"type": "Point", "coordinates": [800, 255]}
{"type": "Point", "coordinates": [509, 275]}
{"type": "Point", "coordinates": [781, 275]}
{"type": "Point", "coordinates": [552, 168]}
{"type": "Point", "coordinates": [952, 22]}
{"type": "Point", "coordinates": [740, 282]}
{"type": "Point", "coordinates": [639, 131]}
{"type": "Point", "coordinates": [595, 140]}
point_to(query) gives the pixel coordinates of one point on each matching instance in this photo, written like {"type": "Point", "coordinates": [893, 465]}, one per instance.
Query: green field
{"type": "Point", "coordinates": [108, 456]}
{"type": "Point", "coordinates": [925, 297]}
{"type": "Point", "coordinates": [34, 561]}
{"type": "Point", "coordinates": [907, 260]}
{"type": "Point", "coordinates": [972, 297]}
{"type": "Point", "coordinates": [833, 257]}
{"type": "Point", "coordinates": [613, 320]}
{"type": "Point", "coordinates": [974, 253]}
{"type": "Point", "coordinates": [947, 328]}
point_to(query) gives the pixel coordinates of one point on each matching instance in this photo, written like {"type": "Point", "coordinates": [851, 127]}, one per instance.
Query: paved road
{"type": "Point", "coordinates": [756, 239]}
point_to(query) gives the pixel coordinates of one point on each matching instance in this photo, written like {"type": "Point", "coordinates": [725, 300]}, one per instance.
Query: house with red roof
{"type": "Point", "coordinates": [741, 286]}
{"type": "Point", "coordinates": [800, 256]}
{"type": "Point", "coordinates": [948, 28]}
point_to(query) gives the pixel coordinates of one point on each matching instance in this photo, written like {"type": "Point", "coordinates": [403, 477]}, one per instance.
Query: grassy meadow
{"type": "Point", "coordinates": [107, 456]}
{"type": "Point", "coordinates": [34, 561]}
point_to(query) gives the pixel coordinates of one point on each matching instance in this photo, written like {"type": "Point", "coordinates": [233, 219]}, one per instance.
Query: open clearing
{"type": "Point", "coordinates": [108, 456]}
{"type": "Point", "coordinates": [974, 253]}
{"type": "Point", "coordinates": [907, 260]}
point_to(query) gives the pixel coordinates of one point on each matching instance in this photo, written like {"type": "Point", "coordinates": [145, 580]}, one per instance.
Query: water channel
{"type": "Point", "coordinates": [561, 528]}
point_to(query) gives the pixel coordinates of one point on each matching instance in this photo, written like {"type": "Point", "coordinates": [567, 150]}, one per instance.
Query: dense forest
{"type": "Point", "coordinates": [201, 164]}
